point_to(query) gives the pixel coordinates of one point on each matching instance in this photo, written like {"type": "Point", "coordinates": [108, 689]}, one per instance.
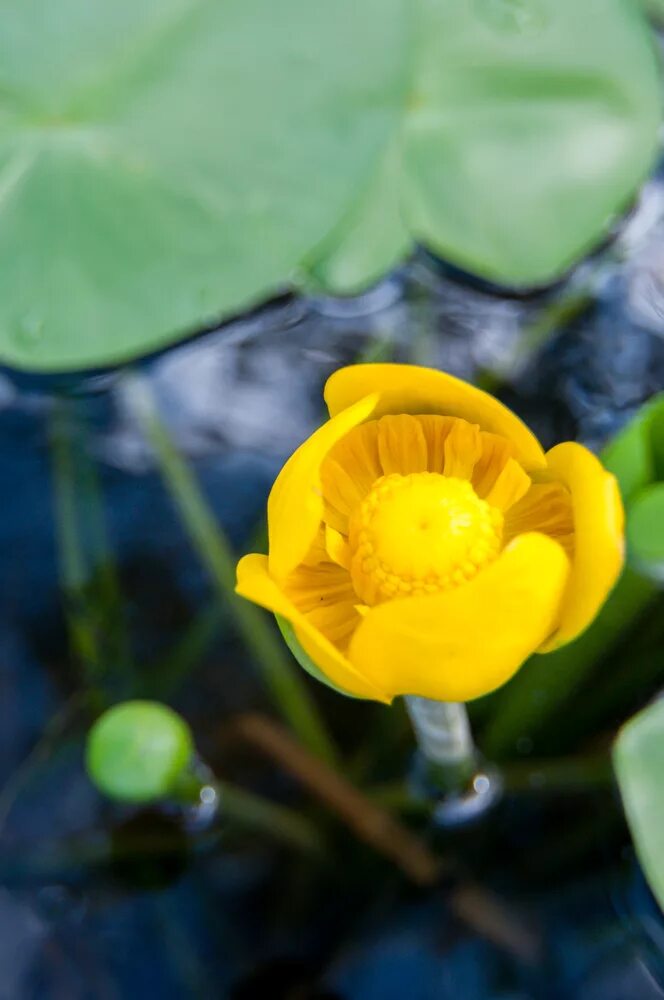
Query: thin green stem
{"type": "Point", "coordinates": [171, 671]}
{"type": "Point", "coordinates": [71, 557]}
{"type": "Point", "coordinates": [110, 598]}
{"type": "Point", "coordinates": [50, 739]}
{"type": "Point", "coordinates": [283, 682]}
{"type": "Point", "coordinates": [257, 813]}
{"type": "Point", "coordinates": [554, 776]}
{"type": "Point", "coordinates": [70, 550]}
{"type": "Point", "coordinates": [398, 797]}
{"type": "Point", "coordinates": [231, 803]}
{"type": "Point", "coordinates": [89, 579]}
{"type": "Point", "coordinates": [536, 335]}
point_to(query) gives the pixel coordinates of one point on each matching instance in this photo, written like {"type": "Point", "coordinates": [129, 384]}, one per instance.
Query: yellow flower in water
{"type": "Point", "coordinates": [421, 541]}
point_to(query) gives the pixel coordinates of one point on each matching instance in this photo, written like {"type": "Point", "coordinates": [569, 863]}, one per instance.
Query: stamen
{"type": "Point", "coordinates": [420, 534]}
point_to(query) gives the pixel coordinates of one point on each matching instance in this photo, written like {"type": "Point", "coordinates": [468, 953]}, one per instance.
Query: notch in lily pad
{"type": "Point", "coordinates": [139, 752]}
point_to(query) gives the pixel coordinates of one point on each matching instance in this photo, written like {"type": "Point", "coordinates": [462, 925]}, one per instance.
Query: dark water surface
{"type": "Point", "coordinates": [97, 902]}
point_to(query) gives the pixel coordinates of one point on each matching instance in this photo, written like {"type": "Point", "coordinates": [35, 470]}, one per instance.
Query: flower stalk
{"type": "Point", "coordinates": [444, 738]}
{"type": "Point", "coordinates": [448, 768]}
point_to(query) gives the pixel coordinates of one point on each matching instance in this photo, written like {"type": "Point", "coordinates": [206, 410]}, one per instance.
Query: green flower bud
{"type": "Point", "coordinates": [136, 751]}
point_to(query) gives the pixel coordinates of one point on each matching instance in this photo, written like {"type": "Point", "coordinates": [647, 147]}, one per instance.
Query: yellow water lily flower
{"type": "Point", "coordinates": [421, 541]}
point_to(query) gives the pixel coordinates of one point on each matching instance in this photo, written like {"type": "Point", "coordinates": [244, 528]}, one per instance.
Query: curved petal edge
{"type": "Point", "coordinates": [411, 389]}
{"type": "Point", "coordinates": [255, 584]}
{"type": "Point", "coordinates": [466, 642]}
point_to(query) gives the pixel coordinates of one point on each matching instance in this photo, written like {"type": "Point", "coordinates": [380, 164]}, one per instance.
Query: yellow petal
{"type": "Point", "coordinates": [598, 536]}
{"type": "Point", "coordinates": [495, 453]}
{"type": "Point", "coordinates": [374, 449]}
{"type": "Point", "coordinates": [402, 446]}
{"type": "Point", "coordinates": [348, 473]}
{"type": "Point", "coordinates": [546, 507]}
{"type": "Point", "coordinates": [435, 429]}
{"type": "Point", "coordinates": [323, 592]}
{"type": "Point", "coordinates": [510, 485]}
{"type": "Point", "coordinates": [411, 389]}
{"type": "Point", "coordinates": [342, 493]}
{"type": "Point", "coordinates": [336, 546]}
{"type": "Point", "coordinates": [295, 505]}
{"type": "Point", "coordinates": [463, 447]}
{"type": "Point", "coordinates": [255, 583]}
{"type": "Point", "coordinates": [358, 454]}
{"type": "Point", "coordinates": [465, 642]}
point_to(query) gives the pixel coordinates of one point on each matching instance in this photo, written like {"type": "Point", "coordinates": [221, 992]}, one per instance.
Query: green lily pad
{"type": "Point", "coordinates": [534, 122]}
{"type": "Point", "coordinates": [638, 758]}
{"type": "Point", "coordinates": [164, 163]}
{"type": "Point", "coordinates": [371, 238]}
{"type": "Point", "coordinates": [529, 127]}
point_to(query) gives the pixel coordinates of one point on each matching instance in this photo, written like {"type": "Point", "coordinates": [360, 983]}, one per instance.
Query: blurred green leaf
{"type": "Point", "coordinates": [528, 128]}
{"type": "Point", "coordinates": [167, 162]}
{"type": "Point", "coordinates": [539, 691]}
{"type": "Point", "coordinates": [638, 758]}
{"type": "Point", "coordinates": [136, 751]}
{"type": "Point", "coordinates": [645, 531]}
{"type": "Point", "coordinates": [656, 432]}
{"type": "Point", "coordinates": [633, 454]}
{"type": "Point", "coordinates": [630, 458]}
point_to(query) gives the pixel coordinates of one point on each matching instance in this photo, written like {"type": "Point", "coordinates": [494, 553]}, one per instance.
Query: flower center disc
{"type": "Point", "coordinates": [420, 534]}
